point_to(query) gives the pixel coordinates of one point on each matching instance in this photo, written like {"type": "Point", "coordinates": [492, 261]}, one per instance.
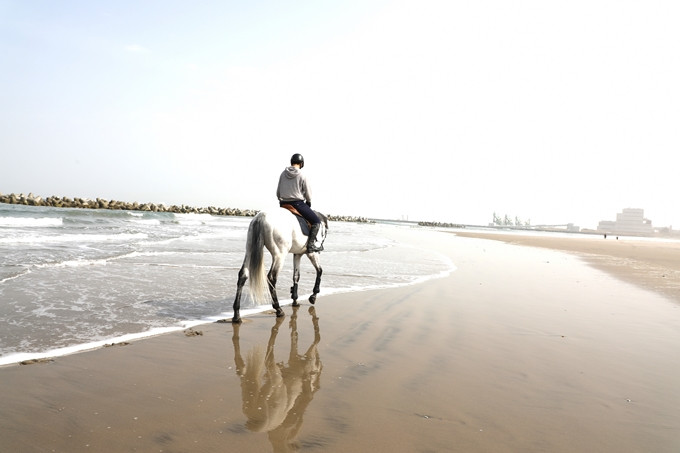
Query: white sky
{"type": "Point", "coordinates": [553, 111]}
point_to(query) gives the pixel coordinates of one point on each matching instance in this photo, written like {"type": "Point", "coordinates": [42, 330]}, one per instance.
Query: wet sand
{"type": "Point", "coordinates": [520, 349]}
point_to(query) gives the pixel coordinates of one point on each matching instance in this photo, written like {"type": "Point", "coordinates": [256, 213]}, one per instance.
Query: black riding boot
{"type": "Point", "coordinates": [311, 247]}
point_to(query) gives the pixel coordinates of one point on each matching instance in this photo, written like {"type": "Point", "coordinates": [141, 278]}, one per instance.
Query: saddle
{"type": "Point", "coordinates": [304, 224]}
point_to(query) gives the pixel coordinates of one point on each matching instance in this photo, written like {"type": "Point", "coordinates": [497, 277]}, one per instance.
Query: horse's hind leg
{"type": "Point", "coordinates": [314, 258]}
{"type": "Point", "coordinates": [242, 277]}
{"type": "Point", "coordinates": [277, 263]}
{"type": "Point", "coordinates": [296, 279]}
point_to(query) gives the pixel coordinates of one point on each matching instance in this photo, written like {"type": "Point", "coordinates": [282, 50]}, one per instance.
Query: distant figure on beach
{"type": "Point", "coordinates": [294, 190]}
{"type": "Point", "coordinates": [276, 394]}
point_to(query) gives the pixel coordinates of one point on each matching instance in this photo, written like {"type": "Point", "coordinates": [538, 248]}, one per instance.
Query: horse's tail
{"type": "Point", "coordinates": [258, 284]}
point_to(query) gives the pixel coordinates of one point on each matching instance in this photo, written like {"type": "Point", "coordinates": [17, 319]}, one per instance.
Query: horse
{"type": "Point", "coordinates": [280, 232]}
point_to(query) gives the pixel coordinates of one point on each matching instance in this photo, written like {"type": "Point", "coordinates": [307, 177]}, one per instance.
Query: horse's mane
{"type": "Point", "coordinates": [323, 218]}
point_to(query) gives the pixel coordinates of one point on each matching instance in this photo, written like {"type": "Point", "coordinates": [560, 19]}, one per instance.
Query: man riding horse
{"type": "Point", "coordinates": [294, 190]}
{"type": "Point", "coordinates": [281, 233]}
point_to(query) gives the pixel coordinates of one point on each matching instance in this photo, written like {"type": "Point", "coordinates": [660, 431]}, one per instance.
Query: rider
{"type": "Point", "coordinates": [294, 190]}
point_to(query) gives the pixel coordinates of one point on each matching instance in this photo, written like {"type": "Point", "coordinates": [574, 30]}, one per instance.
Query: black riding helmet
{"type": "Point", "coordinates": [297, 159]}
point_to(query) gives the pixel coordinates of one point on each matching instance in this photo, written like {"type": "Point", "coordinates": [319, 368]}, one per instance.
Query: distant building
{"type": "Point", "coordinates": [629, 221]}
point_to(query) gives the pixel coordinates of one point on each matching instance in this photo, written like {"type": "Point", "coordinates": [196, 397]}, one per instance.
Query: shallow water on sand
{"type": "Point", "coordinates": [73, 279]}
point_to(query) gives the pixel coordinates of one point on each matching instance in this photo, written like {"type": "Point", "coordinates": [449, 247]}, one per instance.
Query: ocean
{"type": "Point", "coordinates": [78, 279]}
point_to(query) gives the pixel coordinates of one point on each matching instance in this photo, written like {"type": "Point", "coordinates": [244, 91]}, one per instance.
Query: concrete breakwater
{"type": "Point", "coordinates": [441, 225]}
{"type": "Point", "coordinates": [99, 203]}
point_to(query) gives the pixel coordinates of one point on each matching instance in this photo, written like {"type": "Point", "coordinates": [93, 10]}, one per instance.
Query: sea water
{"type": "Point", "coordinates": [76, 279]}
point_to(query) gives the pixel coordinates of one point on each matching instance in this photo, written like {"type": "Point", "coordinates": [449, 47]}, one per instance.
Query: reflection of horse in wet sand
{"type": "Point", "coordinates": [275, 395]}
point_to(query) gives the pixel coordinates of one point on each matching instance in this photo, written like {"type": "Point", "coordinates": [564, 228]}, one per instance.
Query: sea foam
{"type": "Point", "coordinates": [30, 222]}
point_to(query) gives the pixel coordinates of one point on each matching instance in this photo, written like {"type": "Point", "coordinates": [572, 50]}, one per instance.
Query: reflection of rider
{"type": "Point", "coordinates": [294, 190]}
{"type": "Point", "coordinates": [275, 395]}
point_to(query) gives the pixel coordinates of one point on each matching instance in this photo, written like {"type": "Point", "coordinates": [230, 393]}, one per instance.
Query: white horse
{"type": "Point", "coordinates": [281, 233]}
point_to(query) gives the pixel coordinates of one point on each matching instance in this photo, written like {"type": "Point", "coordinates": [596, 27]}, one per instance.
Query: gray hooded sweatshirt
{"type": "Point", "coordinates": [293, 186]}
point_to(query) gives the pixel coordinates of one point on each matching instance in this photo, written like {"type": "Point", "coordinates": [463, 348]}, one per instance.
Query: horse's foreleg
{"type": "Point", "coordinates": [296, 279]}
{"type": "Point", "coordinates": [271, 278]}
{"type": "Point", "coordinates": [242, 277]}
{"type": "Point", "coordinates": [314, 258]}
{"type": "Point", "coordinates": [317, 286]}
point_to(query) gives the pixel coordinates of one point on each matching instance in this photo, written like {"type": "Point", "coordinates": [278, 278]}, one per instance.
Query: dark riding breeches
{"type": "Point", "coordinates": [305, 210]}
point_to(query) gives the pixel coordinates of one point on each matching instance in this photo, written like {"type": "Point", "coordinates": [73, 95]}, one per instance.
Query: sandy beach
{"type": "Point", "coordinates": [529, 346]}
{"type": "Point", "coordinates": [651, 264]}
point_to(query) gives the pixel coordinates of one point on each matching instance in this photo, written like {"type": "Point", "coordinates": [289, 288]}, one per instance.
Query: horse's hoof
{"type": "Point", "coordinates": [295, 303]}
{"type": "Point", "coordinates": [236, 320]}
{"type": "Point", "coordinates": [312, 299]}
{"type": "Point", "coordinates": [280, 313]}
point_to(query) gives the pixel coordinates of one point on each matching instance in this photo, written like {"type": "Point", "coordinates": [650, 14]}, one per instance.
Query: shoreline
{"type": "Point", "coordinates": [25, 358]}
{"type": "Point", "coordinates": [519, 349]}
{"type": "Point", "coordinates": [653, 265]}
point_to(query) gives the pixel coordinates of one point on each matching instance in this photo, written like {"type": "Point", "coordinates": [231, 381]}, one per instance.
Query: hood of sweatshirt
{"type": "Point", "coordinates": [291, 172]}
